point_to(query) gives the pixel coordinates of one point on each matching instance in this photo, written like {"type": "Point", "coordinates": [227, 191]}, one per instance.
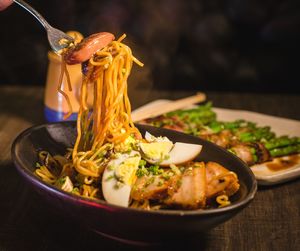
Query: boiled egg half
{"type": "Point", "coordinates": [162, 151]}
{"type": "Point", "coordinates": [119, 177]}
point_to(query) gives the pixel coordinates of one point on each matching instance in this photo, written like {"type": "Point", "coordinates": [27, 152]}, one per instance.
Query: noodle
{"type": "Point", "coordinates": [223, 200]}
{"type": "Point", "coordinates": [108, 121]}
{"type": "Point", "coordinates": [63, 72]}
{"type": "Point", "coordinates": [45, 174]}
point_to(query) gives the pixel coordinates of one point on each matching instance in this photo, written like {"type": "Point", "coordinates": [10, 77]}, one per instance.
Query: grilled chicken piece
{"type": "Point", "coordinates": [174, 127]}
{"type": "Point", "coordinates": [220, 180]}
{"type": "Point", "coordinates": [262, 153]}
{"type": "Point", "coordinates": [222, 139]}
{"type": "Point", "coordinates": [153, 187]}
{"type": "Point", "coordinates": [188, 191]}
{"type": "Point", "coordinates": [243, 151]}
{"type": "Point", "coordinates": [173, 123]}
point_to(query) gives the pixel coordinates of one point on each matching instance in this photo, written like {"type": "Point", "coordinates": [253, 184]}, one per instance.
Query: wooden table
{"type": "Point", "coordinates": [270, 222]}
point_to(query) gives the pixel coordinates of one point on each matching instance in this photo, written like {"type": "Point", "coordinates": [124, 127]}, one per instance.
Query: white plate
{"type": "Point", "coordinates": [280, 126]}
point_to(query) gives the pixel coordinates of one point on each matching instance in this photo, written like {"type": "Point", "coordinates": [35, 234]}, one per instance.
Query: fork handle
{"type": "Point", "coordinates": [36, 14]}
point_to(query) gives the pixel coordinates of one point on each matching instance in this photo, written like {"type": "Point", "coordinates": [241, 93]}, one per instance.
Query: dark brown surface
{"type": "Point", "coordinates": [271, 222]}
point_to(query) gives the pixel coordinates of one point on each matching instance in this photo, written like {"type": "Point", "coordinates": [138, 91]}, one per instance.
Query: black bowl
{"type": "Point", "coordinates": [127, 223]}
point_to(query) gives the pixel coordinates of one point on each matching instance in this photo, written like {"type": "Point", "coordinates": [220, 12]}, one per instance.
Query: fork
{"type": "Point", "coordinates": [58, 40]}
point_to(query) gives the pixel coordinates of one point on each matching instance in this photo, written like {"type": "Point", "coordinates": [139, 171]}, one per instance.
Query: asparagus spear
{"type": "Point", "coordinates": [257, 135]}
{"type": "Point", "coordinates": [281, 142]}
{"type": "Point", "coordinates": [287, 150]}
{"type": "Point", "coordinates": [217, 126]}
{"type": "Point", "coordinates": [202, 114]}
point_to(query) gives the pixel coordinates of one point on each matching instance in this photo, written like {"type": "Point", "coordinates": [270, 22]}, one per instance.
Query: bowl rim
{"type": "Point", "coordinates": [30, 177]}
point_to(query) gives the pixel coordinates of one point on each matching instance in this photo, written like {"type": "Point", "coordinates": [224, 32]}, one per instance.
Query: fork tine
{"type": "Point", "coordinates": [58, 40]}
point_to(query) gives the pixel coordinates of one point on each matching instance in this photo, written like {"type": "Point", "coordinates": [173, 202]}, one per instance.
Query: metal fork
{"type": "Point", "coordinates": [57, 39]}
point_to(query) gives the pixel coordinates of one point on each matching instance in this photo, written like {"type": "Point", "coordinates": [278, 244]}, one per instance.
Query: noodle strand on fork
{"type": "Point", "coordinates": [108, 121]}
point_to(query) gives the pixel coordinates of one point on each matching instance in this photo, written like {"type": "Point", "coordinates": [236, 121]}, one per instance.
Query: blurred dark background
{"type": "Point", "coordinates": [234, 45]}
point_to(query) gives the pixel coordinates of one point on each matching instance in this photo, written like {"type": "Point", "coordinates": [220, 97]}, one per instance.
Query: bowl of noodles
{"type": "Point", "coordinates": [129, 223]}
{"type": "Point", "coordinates": [117, 177]}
